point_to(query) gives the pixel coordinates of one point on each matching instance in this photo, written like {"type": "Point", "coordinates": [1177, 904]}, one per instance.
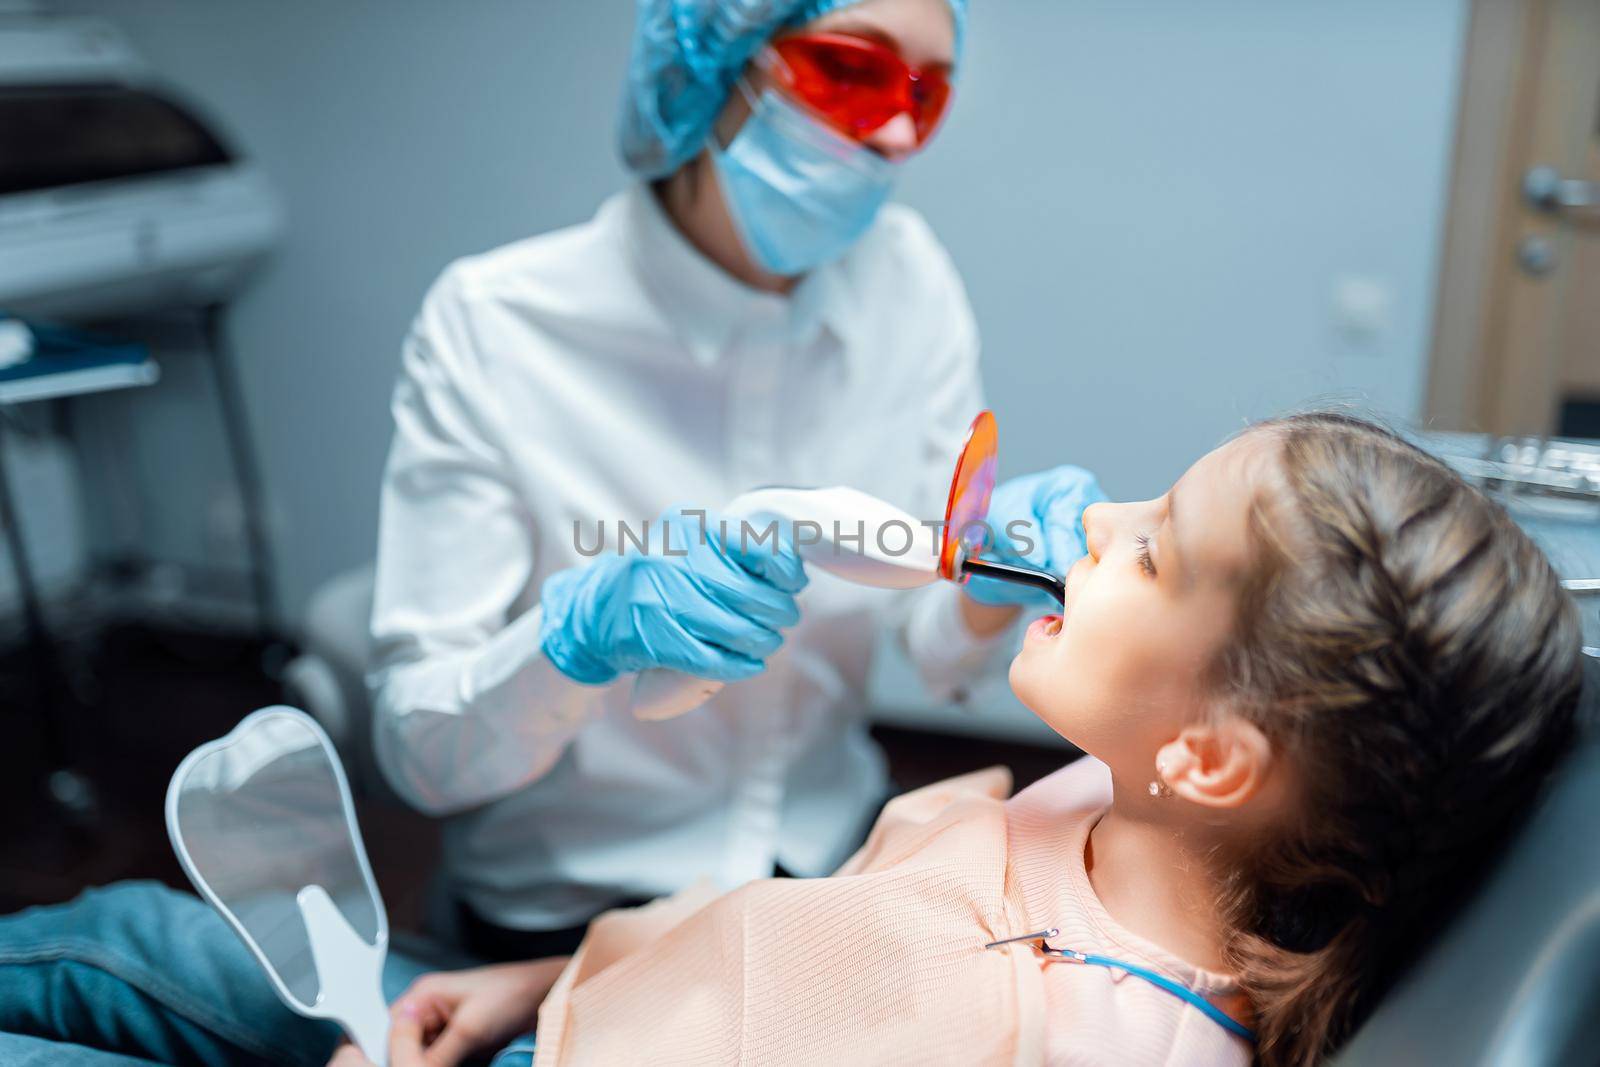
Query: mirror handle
{"type": "Point", "coordinates": [349, 973]}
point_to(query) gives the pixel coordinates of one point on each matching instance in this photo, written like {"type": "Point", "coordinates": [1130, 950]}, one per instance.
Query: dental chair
{"type": "Point", "coordinates": [1514, 981]}
{"type": "Point", "coordinates": [328, 679]}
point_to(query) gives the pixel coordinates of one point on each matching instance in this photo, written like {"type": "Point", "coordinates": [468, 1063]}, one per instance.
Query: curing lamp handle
{"type": "Point", "coordinates": [895, 552]}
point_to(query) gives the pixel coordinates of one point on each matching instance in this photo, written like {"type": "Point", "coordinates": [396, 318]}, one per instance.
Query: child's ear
{"type": "Point", "coordinates": [1218, 764]}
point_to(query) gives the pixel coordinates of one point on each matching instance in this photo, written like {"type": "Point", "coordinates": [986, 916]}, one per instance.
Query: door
{"type": "Point", "coordinates": [1517, 331]}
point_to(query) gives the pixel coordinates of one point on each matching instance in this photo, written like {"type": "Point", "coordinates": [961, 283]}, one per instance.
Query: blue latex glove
{"type": "Point", "coordinates": [713, 611]}
{"type": "Point", "coordinates": [1050, 505]}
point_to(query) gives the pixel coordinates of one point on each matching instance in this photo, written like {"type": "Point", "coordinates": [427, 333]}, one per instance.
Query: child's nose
{"type": "Point", "coordinates": [1096, 529]}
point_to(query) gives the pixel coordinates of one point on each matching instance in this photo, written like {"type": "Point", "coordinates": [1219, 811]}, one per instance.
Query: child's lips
{"type": "Point", "coordinates": [1046, 627]}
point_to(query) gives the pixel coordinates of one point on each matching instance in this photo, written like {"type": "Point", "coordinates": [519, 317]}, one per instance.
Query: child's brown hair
{"type": "Point", "coordinates": [1412, 654]}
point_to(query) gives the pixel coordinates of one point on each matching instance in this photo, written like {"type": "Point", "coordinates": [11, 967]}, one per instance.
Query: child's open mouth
{"type": "Point", "coordinates": [1048, 626]}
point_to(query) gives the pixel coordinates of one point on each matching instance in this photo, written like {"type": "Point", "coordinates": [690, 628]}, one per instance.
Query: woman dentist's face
{"type": "Point", "coordinates": [921, 31]}
{"type": "Point", "coordinates": [761, 225]}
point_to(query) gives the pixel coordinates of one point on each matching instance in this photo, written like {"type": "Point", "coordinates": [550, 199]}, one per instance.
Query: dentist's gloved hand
{"type": "Point", "coordinates": [710, 609]}
{"type": "Point", "coordinates": [1047, 510]}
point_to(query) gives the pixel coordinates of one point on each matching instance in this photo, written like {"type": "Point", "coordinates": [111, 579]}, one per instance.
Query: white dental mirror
{"type": "Point", "coordinates": [264, 826]}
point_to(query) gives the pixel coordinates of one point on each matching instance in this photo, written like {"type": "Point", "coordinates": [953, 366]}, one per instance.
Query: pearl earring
{"type": "Point", "coordinates": [1158, 786]}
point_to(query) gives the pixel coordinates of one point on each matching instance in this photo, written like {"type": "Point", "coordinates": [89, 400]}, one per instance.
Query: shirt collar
{"type": "Point", "coordinates": [706, 306]}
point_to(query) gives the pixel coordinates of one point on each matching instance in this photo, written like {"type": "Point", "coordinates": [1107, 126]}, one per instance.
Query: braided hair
{"type": "Point", "coordinates": [1411, 653]}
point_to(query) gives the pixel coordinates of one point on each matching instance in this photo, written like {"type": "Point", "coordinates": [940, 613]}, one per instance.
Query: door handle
{"type": "Point", "coordinates": [1546, 190]}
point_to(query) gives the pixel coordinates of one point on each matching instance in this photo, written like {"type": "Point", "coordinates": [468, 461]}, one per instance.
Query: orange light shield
{"type": "Point", "coordinates": [970, 489]}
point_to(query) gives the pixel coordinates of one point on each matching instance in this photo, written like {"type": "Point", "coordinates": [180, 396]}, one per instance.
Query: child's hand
{"type": "Point", "coordinates": [347, 1055]}
{"type": "Point", "coordinates": [450, 1015]}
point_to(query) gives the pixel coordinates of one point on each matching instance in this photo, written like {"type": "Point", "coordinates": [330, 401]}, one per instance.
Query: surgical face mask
{"type": "Point", "coordinates": [799, 193]}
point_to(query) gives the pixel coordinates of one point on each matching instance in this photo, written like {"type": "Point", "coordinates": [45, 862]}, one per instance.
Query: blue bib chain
{"type": "Point", "coordinates": [1182, 992]}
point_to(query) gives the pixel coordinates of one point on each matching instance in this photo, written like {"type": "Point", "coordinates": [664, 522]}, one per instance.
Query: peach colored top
{"type": "Point", "coordinates": [883, 963]}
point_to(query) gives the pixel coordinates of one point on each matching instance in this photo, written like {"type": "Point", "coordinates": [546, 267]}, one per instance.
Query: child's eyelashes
{"type": "Point", "coordinates": [1146, 564]}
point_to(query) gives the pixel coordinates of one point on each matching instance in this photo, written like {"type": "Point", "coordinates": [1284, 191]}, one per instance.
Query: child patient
{"type": "Point", "coordinates": [1318, 682]}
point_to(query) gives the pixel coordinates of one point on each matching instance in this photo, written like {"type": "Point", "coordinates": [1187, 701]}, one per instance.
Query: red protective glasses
{"type": "Point", "coordinates": [858, 85]}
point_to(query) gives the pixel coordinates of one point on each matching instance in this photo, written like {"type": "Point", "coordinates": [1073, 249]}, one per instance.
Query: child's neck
{"type": "Point", "coordinates": [1154, 878]}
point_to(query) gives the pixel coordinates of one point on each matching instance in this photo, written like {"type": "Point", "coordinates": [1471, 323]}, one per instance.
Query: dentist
{"type": "Point", "coordinates": [751, 311]}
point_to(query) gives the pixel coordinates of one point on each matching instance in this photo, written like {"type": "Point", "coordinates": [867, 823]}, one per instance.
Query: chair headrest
{"type": "Point", "coordinates": [1515, 979]}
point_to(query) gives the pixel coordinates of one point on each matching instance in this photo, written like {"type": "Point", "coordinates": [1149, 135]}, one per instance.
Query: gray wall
{"type": "Point", "coordinates": [1153, 204]}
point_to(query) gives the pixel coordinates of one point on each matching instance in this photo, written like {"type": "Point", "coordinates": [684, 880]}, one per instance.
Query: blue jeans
{"type": "Point", "coordinates": [137, 973]}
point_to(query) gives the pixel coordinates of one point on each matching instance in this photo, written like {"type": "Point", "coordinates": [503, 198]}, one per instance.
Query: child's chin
{"type": "Point", "coordinates": [1025, 680]}
{"type": "Point", "coordinates": [1037, 686]}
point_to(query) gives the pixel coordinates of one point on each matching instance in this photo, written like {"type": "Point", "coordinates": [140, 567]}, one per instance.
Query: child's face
{"type": "Point", "coordinates": [1146, 611]}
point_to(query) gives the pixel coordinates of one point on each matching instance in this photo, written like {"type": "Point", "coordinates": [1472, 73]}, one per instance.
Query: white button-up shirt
{"type": "Point", "coordinates": [555, 386]}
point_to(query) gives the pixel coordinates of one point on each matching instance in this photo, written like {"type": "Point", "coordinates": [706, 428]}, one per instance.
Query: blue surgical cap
{"type": "Point", "coordinates": [687, 54]}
